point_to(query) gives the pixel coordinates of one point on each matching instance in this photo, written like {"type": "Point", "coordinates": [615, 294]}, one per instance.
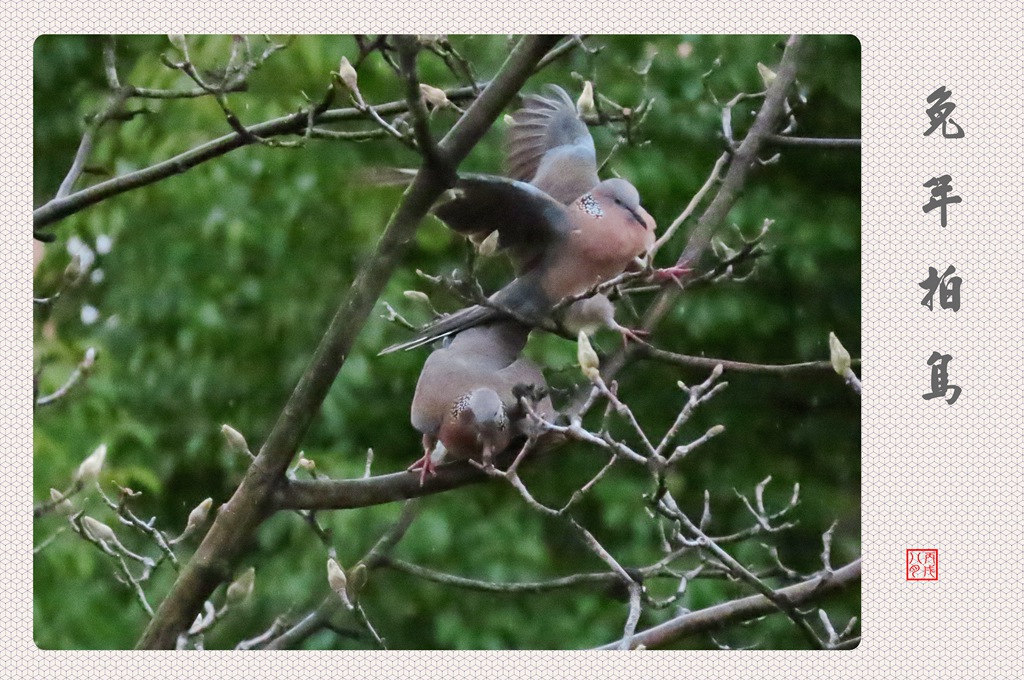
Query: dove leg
{"type": "Point", "coordinates": [488, 456]}
{"type": "Point", "coordinates": [425, 464]}
{"type": "Point", "coordinates": [637, 335]}
{"type": "Point", "coordinates": [674, 274]}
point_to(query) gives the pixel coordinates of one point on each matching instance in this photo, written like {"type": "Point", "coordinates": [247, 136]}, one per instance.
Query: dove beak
{"type": "Point", "coordinates": [636, 216]}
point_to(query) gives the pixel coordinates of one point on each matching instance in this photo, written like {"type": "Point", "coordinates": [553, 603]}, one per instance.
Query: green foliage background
{"type": "Point", "coordinates": [221, 280]}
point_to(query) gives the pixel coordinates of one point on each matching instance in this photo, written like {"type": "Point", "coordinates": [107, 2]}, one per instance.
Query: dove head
{"type": "Point", "coordinates": [485, 408]}
{"type": "Point", "coordinates": [620, 198]}
{"type": "Point", "coordinates": [478, 421]}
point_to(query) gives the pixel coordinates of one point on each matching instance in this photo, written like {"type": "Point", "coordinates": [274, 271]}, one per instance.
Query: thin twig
{"type": "Point", "coordinates": [826, 142]}
{"type": "Point", "coordinates": [80, 372]}
{"type": "Point", "coordinates": [713, 178]}
{"type": "Point", "coordinates": [408, 48]}
{"type": "Point", "coordinates": [690, 361]}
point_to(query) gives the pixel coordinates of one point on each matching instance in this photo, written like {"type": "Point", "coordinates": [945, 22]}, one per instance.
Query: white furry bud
{"type": "Point", "coordinates": [97, 530]}
{"type": "Point", "coordinates": [241, 588]}
{"type": "Point", "coordinates": [434, 96]}
{"type": "Point", "coordinates": [838, 355]}
{"type": "Point", "coordinates": [347, 75]}
{"type": "Point", "coordinates": [61, 505]}
{"type": "Point", "coordinates": [199, 515]}
{"type": "Point", "coordinates": [89, 470]}
{"type": "Point", "coordinates": [585, 104]}
{"type": "Point", "coordinates": [587, 357]}
{"type": "Point", "coordinates": [235, 439]}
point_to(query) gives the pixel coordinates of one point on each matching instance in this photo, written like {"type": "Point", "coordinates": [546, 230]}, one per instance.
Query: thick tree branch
{"type": "Point", "coordinates": [339, 494]}
{"type": "Point", "coordinates": [249, 506]}
{"type": "Point", "coordinates": [718, 616]}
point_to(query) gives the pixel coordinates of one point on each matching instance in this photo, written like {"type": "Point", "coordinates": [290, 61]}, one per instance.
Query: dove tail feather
{"type": "Point", "coordinates": [445, 327]}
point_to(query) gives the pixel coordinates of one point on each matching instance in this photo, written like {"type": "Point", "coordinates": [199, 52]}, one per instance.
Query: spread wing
{"type": "Point", "coordinates": [549, 146]}
{"type": "Point", "coordinates": [527, 220]}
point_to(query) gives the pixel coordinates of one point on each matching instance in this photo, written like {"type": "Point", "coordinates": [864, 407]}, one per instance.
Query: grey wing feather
{"type": "Point", "coordinates": [528, 221]}
{"type": "Point", "coordinates": [549, 146]}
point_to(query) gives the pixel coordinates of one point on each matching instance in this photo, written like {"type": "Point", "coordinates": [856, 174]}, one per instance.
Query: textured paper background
{"type": "Point", "coordinates": [934, 476]}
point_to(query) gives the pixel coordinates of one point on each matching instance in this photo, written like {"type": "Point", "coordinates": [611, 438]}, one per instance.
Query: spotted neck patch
{"type": "Point", "coordinates": [460, 405]}
{"type": "Point", "coordinates": [589, 205]}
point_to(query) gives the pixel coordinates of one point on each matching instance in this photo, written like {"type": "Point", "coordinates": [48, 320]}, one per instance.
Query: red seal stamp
{"type": "Point", "coordinates": [922, 564]}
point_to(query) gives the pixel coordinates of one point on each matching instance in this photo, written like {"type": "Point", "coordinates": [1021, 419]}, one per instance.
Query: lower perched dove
{"type": "Point", "coordinates": [565, 230]}
{"type": "Point", "coordinates": [466, 402]}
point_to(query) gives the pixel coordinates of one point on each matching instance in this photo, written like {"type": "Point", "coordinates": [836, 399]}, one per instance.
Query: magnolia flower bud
{"type": "Point", "coordinates": [509, 120]}
{"type": "Point", "coordinates": [716, 430]}
{"type": "Point", "coordinates": [434, 96]}
{"type": "Point", "coordinates": [241, 588]}
{"type": "Point", "coordinates": [417, 296]}
{"type": "Point", "coordinates": [357, 576]}
{"type": "Point", "coordinates": [767, 75]}
{"type": "Point", "coordinates": [489, 245]}
{"type": "Point", "coordinates": [839, 356]}
{"type": "Point", "coordinates": [336, 576]}
{"type": "Point", "coordinates": [338, 581]}
{"type": "Point", "coordinates": [307, 464]}
{"type": "Point", "coordinates": [61, 505]}
{"type": "Point", "coordinates": [97, 530]}
{"type": "Point", "coordinates": [73, 272]}
{"type": "Point", "coordinates": [89, 470]}
{"type": "Point", "coordinates": [89, 359]}
{"type": "Point", "coordinates": [585, 104]}
{"type": "Point", "coordinates": [197, 625]}
{"type": "Point", "coordinates": [235, 439]}
{"type": "Point", "coordinates": [587, 357]}
{"type": "Point", "coordinates": [347, 74]}
{"type": "Point", "coordinates": [199, 514]}
{"type": "Point", "coordinates": [178, 41]}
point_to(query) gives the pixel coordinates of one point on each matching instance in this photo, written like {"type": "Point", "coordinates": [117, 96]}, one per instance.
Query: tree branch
{"type": "Point", "coordinates": [655, 354]}
{"type": "Point", "coordinates": [755, 606]}
{"type": "Point", "coordinates": [251, 502]}
{"type": "Point", "coordinates": [341, 494]}
{"type": "Point", "coordinates": [295, 123]}
{"type": "Point", "coordinates": [826, 142]}
{"type": "Point", "coordinates": [408, 49]}
{"type": "Point", "coordinates": [746, 155]}
{"type": "Point", "coordinates": [743, 160]}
